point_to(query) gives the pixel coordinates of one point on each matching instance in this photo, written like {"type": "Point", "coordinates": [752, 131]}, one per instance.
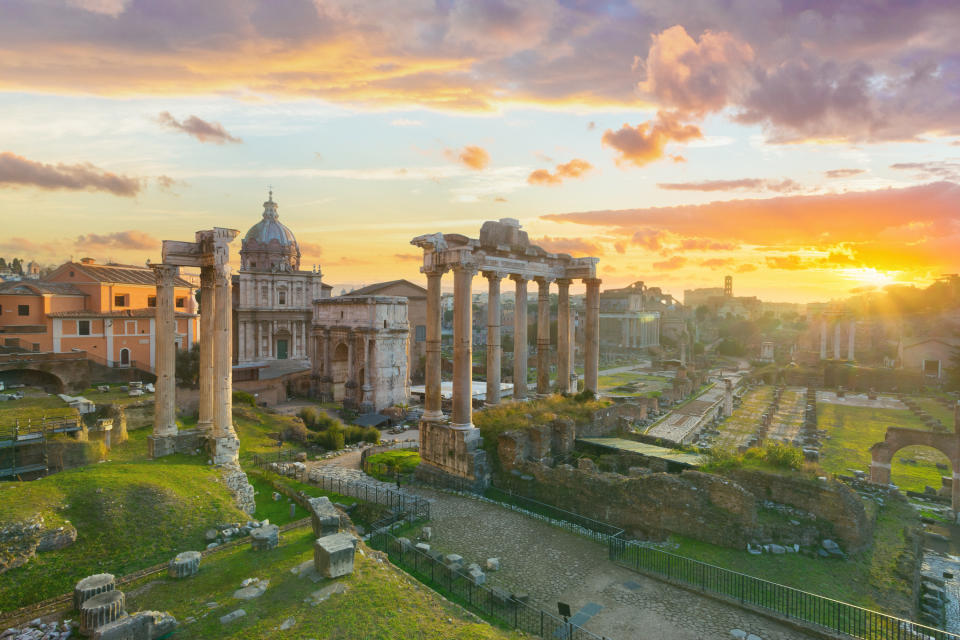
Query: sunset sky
{"type": "Point", "coordinates": [807, 148]}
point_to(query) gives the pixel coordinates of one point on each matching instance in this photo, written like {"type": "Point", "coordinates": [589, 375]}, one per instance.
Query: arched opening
{"type": "Point", "coordinates": [916, 467]}
{"type": "Point", "coordinates": [32, 378]}
{"type": "Point", "coordinates": [124, 357]}
{"type": "Point", "coordinates": [338, 371]}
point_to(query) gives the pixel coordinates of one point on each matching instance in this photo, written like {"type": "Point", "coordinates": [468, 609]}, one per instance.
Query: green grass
{"type": "Point", "coordinates": [738, 428]}
{"type": "Point", "coordinates": [642, 384]}
{"type": "Point", "coordinates": [254, 427]}
{"type": "Point", "coordinates": [265, 483]}
{"type": "Point", "coordinates": [128, 515]}
{"type": "Point", "coordinates": [34, 406]}
{"type": "Point", "coordinates": [877, 577]}
{"type": "Point", "coordinates": [405, 459]}
{"type": "Point", "coordinates": [114, 396]}
{"type": "Point", "coordinates": [937, 410]}
{"type": "Point", "coordinates": [380, 602]}
{"type": "Point", "coordinates": [853, 430]}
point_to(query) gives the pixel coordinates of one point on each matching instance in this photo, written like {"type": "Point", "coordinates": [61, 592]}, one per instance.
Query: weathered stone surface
{"type": "Point", "coordinates": [91, 586]}
{"type": "Point", "coordinates": [493, 564]}
{"type": "Point", "coordinates": [264, 538]}
{"type": "Point", "coordinates": [142, 625]}
{"type": "Point", "coordinates": [324, 517]}
{"type": "Point", "coordinates": [233, 615]}
{"type": "Point", "coordinates": [237, 483]}
{"type": "Point", "coordinates": [333, 555]}
{"type": "Point", "coordinates": [184, 564]}
{"type": "Point", "coordinates": [251, 588]}
{"type": "Point", "coordinates": [101, 609]}
{"type": "Point", "coordinates": [20, 541]}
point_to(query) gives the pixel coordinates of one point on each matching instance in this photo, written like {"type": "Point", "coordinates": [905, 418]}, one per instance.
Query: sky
{"type": "Point", "coordinates": [808, 148]}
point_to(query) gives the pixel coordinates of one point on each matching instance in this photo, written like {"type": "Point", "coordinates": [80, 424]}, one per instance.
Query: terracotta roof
{"type": "Point", "coordinates": [122, 274]}
{"type": "Point", "coordinates": [373, 288]}
{"type": "Point", "coordinates": [40, 287]}
{"type": "Point", "coordinates": [125, 313]}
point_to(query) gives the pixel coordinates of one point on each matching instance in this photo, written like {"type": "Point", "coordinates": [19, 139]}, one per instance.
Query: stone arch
{"type": "Point", "coordinates": [339, 370]}
{"type": "Point", "coordinates": [50, 382]}
{"type": "Point", "coordinates": [896, 438]}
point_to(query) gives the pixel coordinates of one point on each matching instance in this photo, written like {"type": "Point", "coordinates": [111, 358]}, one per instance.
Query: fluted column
{"type": "Point", "coordinates": [207, 329]}
{"type": "Point", "coordinates": [564, 361]}
{"type": "Point", "coordinates": [519, 337]}
{"type": "Point", "coordinates": [851, 339]}
{"type": "Point", "coordinates": [823, 339]}
{"type": "Point", "coordinates": [543, 336]}
{"type": "Point", "coordinates": [432, 402]}
{"type": "Point", "coordinates": [493, 336]}
{"type": "Point", "coordinates": [164, 415]}
{"type": "Point", "coordinates": [222, 370]}
{"type": "Point", "coordinates": [591, 356]}
{"type": "Point", "coordinates": [462, 417]}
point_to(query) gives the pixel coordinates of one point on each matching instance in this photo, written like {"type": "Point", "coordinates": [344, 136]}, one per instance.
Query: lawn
{"type": "Point", "coordinates": [853, 430]}
{"type": "Point", "coordinates": [34, 406]}
{"type": "Point", "coordinates": [635, 384]}
{"type": "Point", "coordinates": [874, 578]}
{"type": "Point", "coordinates": [380, 602]}
{"type": "Point", "coordinates": [114, 396]}
{"type": "Point", "coordinates": [935, 409]}
{"type": "Point", "coordinates": [405, 459]}
{"type": "Point", "coordinates": [266, 483]}
{"type": "Point", "coordinates": [742, 425]}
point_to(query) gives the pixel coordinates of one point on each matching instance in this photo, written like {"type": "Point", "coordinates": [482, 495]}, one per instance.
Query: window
{"type": "Point", "coordinates": [119, 301]}
{"type": "Point", "coordinates": [151, 301]}
{"type": "Point", "coordinates": [83, 327]}
{"type": "Point", "coordinates": [71, 274]}
{"type": "Point", "coordinates": [421, 333]}
{"type": "Point", "coordinates": [23, 309]}
{"type": "Point", "coordinates": [253, 265]}
{"type": "Point", "coordinates": [181, 303]}
{"type": "Point", "coordinates": [282, 297]}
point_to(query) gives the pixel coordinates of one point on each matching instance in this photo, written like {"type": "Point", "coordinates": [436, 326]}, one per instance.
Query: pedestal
{"type": "Point", "coordinates": [452, 457]}
{"type": "Point", "coordinates": [159, 446]}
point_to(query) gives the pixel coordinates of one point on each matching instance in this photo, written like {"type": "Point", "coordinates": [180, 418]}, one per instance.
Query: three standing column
{"type": "Point", "coordinates": [591, 352]}
{"type": "Point", "coordinates": [520, 338]}
{"type": "Point", "coordinates": [432, 402]}
{"type": "Point", "coordinates": [207, 329]}
{"type": "Point", "coordinates": [543, 337]}
{"type": "Point", "coordinates": [493, 336]}
{"type": "Point", "coordinates": [462, 417]}
{"type": "Point", "coordinates": [162, 442]}
{"type": "Point", "coordinates": [224, 443]}
{"type": "Point", "coordinates": [564, 342]}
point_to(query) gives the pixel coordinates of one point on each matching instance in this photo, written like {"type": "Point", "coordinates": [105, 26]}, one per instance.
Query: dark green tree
{"type": "Point", "coordinates": [188, 366]}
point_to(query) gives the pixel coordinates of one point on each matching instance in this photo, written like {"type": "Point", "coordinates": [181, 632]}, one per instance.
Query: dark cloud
{"type": "Point", "coordinates": [576, 168]}
{"type": "Point", "coordinates": [18, 171]}
{"type": "Point", "coordinates": [646, 142]}
{"type": "Point", "coordinates": [843, 173]}
{"type": "Point", "coordinates": [134, 240]}
{"type": "Point", "coordinates": [200, 129]}
{"type": "Point", "coordinates": [785, 185]}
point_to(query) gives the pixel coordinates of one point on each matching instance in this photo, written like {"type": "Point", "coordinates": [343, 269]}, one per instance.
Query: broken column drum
{"type": "Point", "coordinates": [101, 609]}
{"type": "Point", "coordinates": [184, 564]}
{"type": "Point", "coordinates": [265, 537]}
{"type": "Point", "coordinates": [91, 586]}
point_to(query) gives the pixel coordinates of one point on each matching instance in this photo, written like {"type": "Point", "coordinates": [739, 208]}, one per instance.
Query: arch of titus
{"type": "Point", "coordinates": [451, 446]}
{"type": "Point", "coordinates": [210, 252]}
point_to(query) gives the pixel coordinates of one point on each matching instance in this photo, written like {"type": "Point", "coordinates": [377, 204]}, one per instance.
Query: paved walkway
{"type": "Point", "coordinates": [553, 565]}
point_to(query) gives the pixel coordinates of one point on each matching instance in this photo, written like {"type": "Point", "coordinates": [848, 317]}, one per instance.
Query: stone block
{"type": "Point", "coordinates": [160, 446]}
{"type": "Point", "coordinates": [233, 615]}
{"type": "Point", "coordinates": [91, 586]}
{"type": "Point", "coordinates": [426, 533]}
{"type": "Point", "coordinates": [477, 576]}
{"type": "Point", "coordinates": [264, 538]}
{"type": "Point", "coordinates": [324, 517]}
{"type": "Point", "coordinates": [333, 555]}
{"type": "Point", "coordinates": [223, 450]}
{"type": "Point", "coordinates": [422, 546]}
{"type": "Point", "coordinates": [143, 625]}
{"type": "Point", "coordinates": [451, 558]}
{"type": "Point", "coordinates": [184, 564]}
{"type": "Point", "coordinates": [101, 609]}
{"type": "Point", "coordinates": [493, 564]}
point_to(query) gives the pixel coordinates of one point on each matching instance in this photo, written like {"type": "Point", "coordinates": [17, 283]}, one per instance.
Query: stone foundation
{"type": "Point", "coordinates": [160, 446]}
{"type": "Point", "coordinates": [453, 453]}
{"type": "Point", "coordinates": [142, 625]}
{"type": "Point", "coordinates": [238, 485]}
{"type": "Point", "coordinates": [223, 450]}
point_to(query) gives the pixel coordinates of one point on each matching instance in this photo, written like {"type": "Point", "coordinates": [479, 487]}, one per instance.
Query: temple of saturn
{"type": "Point", "coordinates": [837, 319]}
{"type": "Point", "coordinates": [210, 252]}
{"type": "Point", "coordinates": [451, 446]}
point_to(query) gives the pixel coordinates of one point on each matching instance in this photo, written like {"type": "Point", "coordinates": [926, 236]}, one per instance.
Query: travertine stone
{"type": "Point", "coordinates": [564, 337]}
{"type": "Point", "coordinates": [333, 555]}
{"type": "Point", "coordinates": [184, 564]}
{"type": "Point", "coordinates": [225, 445]}
{"type": "Point", "coordinates": [207, 330]}
{"type": "Point", "coordinates": [493, 337]}
{"type": "Point", "coordinates": [164, 417]}
{"type": "Point", "coordinates": [591, 364]}
{"type": "Point", "coordinates": [101, 609]}
{"type": "Point", "coordinates": [543, 337]}
{"type": "Point", "coordinates": [91, 586]}
{"type": "Point", "coordinates": [519, 337]}
{"type": "Point", "coordinates": [142, 625]}
{"type": "Point", "coordinates": [324, 516]}
{"type": "Point", "coordinates": [462, 417]}
{"type": "Point", "coordinates": [265, 538]}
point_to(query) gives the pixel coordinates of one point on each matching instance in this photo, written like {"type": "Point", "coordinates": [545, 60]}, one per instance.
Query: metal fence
{"type": "Point", "coordinates": [493, 604]}
{"type": "Point", "coordinates": [599, 531]}
{"type": "Point", "coordinates": [261, 460]}
{"type": "Point", "coordinates": [414, 507]}
{"type": "Point", "coordinates": [786, 601]}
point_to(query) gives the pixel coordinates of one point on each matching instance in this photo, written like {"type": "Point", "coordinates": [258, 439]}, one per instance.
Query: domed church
{"type": "Point", "coordinates": [273, 297]}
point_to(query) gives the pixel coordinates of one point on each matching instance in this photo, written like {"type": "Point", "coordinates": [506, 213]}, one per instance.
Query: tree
{"type": "Point", "coordinates": [3, 263]}
{"type": "Point", "coordinates": [16, 266]}
{"type": "Point", "coordinates": [188, 366]}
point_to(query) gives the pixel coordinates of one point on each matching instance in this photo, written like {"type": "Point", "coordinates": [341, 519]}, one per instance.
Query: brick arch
{"type": "Point", "coordinates": [898, 438]}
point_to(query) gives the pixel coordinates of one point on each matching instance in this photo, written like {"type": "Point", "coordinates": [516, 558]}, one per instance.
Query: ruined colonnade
{"type": "Point", "coordinates": [837, 336]}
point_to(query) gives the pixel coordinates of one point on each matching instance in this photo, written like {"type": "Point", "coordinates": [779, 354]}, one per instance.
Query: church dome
{"type": "Point", "coordinates": [269, 245]}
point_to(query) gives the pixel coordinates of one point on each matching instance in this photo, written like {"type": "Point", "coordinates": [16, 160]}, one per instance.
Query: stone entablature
{"type": "Point", "coordinates": [361, 347]}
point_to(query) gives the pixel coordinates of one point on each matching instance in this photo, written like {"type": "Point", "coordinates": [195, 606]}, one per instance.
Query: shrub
{"type": "Point", "coordinates": [294, 432]}
{"type": "Point", "coordinates": [242, 397]}
{"type": "Point", "coordinates": [784, 456]}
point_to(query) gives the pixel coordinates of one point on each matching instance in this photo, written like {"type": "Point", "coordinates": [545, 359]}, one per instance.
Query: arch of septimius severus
{"type": "Point", "coordinates": [451, 446]}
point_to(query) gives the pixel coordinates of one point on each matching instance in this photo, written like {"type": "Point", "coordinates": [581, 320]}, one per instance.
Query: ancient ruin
{"type": "Point", "coordinates": [502, 251]}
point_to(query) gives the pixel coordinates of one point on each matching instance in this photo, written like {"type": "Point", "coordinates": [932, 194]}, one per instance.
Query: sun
{"type": "Point", "coordinates": [870, 276]}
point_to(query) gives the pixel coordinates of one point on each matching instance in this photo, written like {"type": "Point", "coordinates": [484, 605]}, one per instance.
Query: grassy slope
{"type": "Point", "coordinates": [870, 578]}
{"type": "Point", "coordinates": [380, 601]}
{"type": "Point", "coordinates": [853, 430]}
{"type": "Point", "coordinates": [937, 410]}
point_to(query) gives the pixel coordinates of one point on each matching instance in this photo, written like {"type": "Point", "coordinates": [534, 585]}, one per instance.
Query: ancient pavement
{"type": "Point", "coordinates": [553, 565]}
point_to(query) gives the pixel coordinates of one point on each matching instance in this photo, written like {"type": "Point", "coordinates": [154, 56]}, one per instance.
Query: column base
{"type": "Point", "coordinates": [455, 452]}
{"type": "Point", "coordinates": [160, 446]}
{"type": "Point", "coordinates": [433, 416]}
{"type": "Point", "coordinates": [205, 427]}
{"type": "Point", "coordinates": [223, 449]}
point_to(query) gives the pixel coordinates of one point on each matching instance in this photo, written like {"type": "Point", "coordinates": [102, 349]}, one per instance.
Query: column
{"type": "Point", "coordinates": [164, 413]}
{"type": "Point", "coordinates": [564, 361]}
{"type": "Point", "coordinates": [591, 352]}
{"type": "Point", "coordinates": [624, 333]}
{"type": "Point", "coordinates": [372, 376]}
{"type": "Point", "coordinates": [823, 339]}
{"type": "Point", "coordinates": [519, 337]}
{"type": "Point", "coordinates": [851, 338]}
{"type": "Point", "coordinates": [462, 417]}
{"type": "Point", "coordinates": [222, 369]}
{"type": "Point", "coordinates": [543, 336]}
{"type": "Point", "coordinates": [836, 340]}
{"type": "Point", "coordinates": [432, 404]}
{"type": "Point", "coordinates": [207, 325]}
{"type": "Point", "coordinates": [493, 336]}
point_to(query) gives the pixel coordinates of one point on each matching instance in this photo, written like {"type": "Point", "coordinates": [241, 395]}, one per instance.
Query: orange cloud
{"type": "Point", "coordinates": [673, 263]}
{"type": "Point", "coordinates": [746, 268]}
{"type": "Point", "coordinates": [471, 156]}
{"type": "Point", "coordinates": [645, 143]}
{"type": "Point", "coordinates": [133, 240]}
{"type": "Point", "coordinates": [786, 185]}
{"type": "Point", "coordinates": [574, 246]}
{"type": "Point", "coordinates": [716, 263]}
{"type": "Point", "coordinates": [576, 168]}
{"type": "Point", "coordinates": [18, 171]}
{"type": "Point", "coordinates": [200, 129]}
